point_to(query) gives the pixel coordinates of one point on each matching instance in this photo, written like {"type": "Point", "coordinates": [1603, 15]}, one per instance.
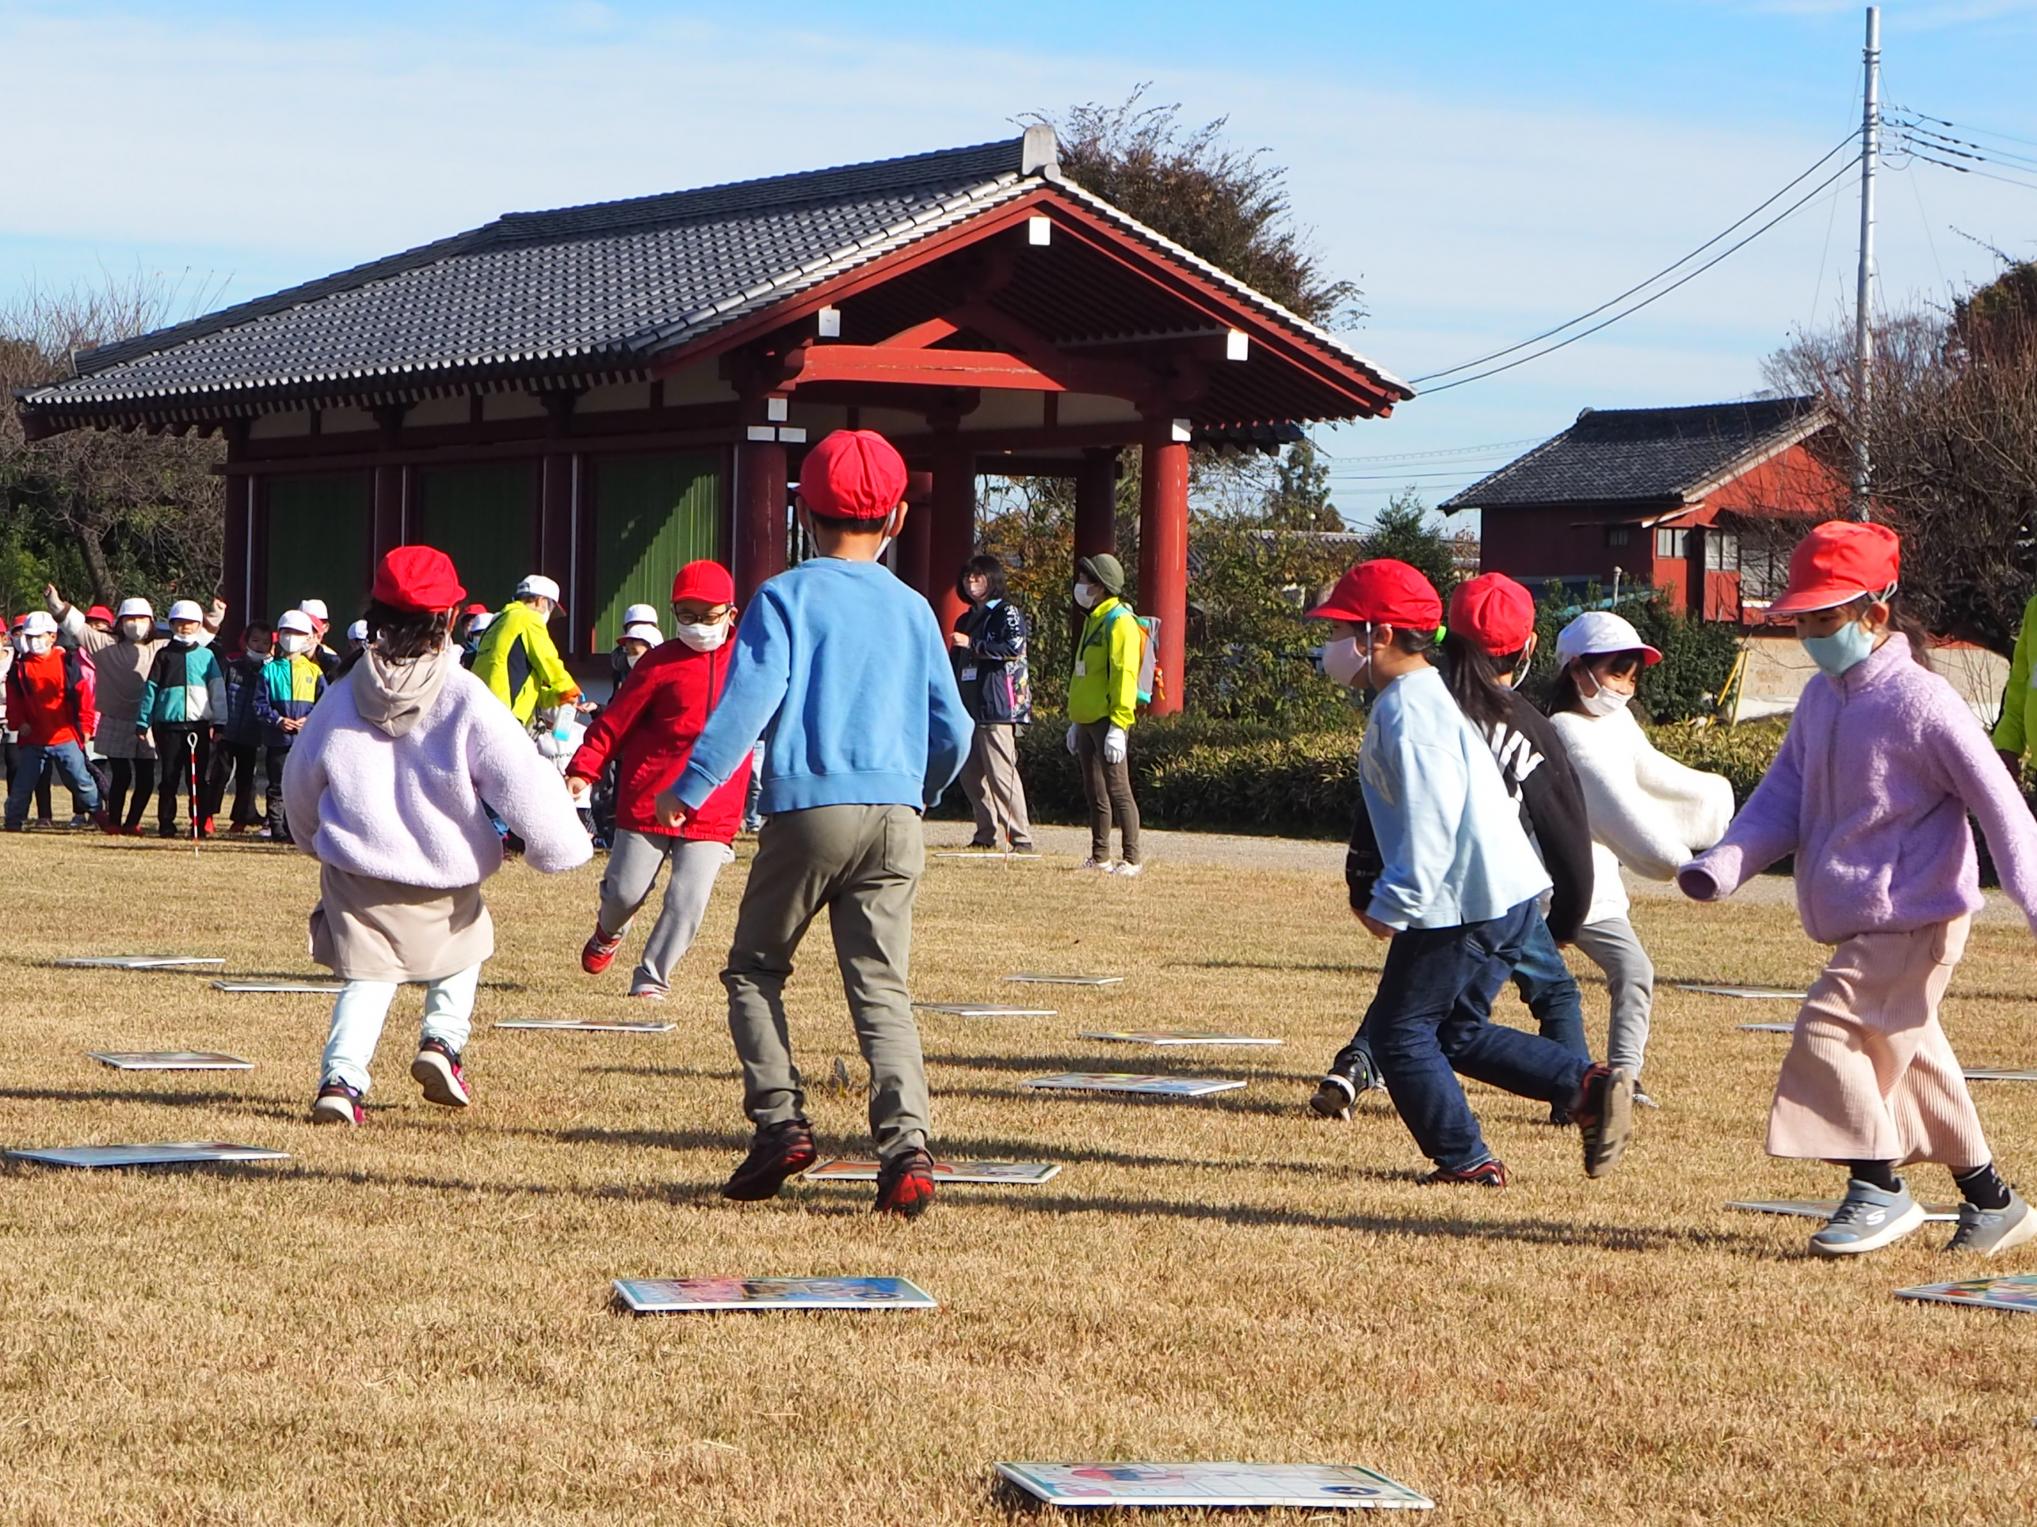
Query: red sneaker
{"type": "Point", "coordinates": [905, 1184]}
{"type": "Point", "coordinates": [779, 1151]}
{"type": "Point", "coordinates": [437, 1071]}
{"type": "Point", "coordinates": [337, 1103]}
{"type": "Point", "coordinates": [1487, 1174]}
{"type": "Point", "coordinates": [598, 953]}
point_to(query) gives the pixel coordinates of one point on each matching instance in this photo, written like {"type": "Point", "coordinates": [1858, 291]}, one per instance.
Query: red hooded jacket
{"type": "Point", "coordinates": [50, 697]}
{"type": "Point", "coordinates": [650, 728]}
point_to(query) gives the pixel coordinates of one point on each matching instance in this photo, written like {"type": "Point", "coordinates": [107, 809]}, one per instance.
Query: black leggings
{"type": "Point", "coordinates": [138, 774]}
{"type": "Point", "coordinates": [184, 753]}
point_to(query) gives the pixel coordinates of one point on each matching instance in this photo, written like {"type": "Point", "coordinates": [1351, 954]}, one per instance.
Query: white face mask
{"type": "Point", "coordinates": [1085, 595]}
{"type": "Point", "coordinates": [136, 629]}
{"type": "Point", "coordinates": [293, 643]}
{"type": "Point", "coordinates": [1345, 662]}
{"type": "Point", "coordinates": [36, 646]}
{"type": "Point", "coordinates": [704, 637]}
{"type": "Point", "coordinates": [1604, 701]}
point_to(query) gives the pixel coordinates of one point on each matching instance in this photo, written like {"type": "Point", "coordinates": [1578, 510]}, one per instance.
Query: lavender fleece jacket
{"type": "Point", "coordinates": [1871, 792]}
{"type": "Point", "coordinates": [408, 808]}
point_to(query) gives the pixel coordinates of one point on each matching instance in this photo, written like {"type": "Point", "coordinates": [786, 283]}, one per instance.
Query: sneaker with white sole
{"type": "Point", "coordinates": [1127, 870]}
{"type": "Point", "coordinates": [337, 1103]}
{"type": "Point", "coordinates": [1101, 866]}
{"type": "Point", "coordinates": [437, 1071]}
{"type": "Point", "coordinates": [1867, 1219]}
{"type": "Point", "coordinates": [1333, 1098]}
{"type": "Point", "coordinates": [650, 993]}
{"type": "Point", "coordinates": [1992, 1231]}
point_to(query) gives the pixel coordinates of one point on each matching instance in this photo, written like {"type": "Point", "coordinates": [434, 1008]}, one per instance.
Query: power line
{"type": "Point", "coordinates": [1984, 132]}
{"type": "Point", "coordinates": [1642, 285]}
{"type": "Point", "coordinates": [1956, 145]}
{"type": "Point", "coordinates": [1491, 447]}
{"type": "Point", "coordinates": [1917, 150]}
{"type": "Point", "coordinates": [1794, 207]}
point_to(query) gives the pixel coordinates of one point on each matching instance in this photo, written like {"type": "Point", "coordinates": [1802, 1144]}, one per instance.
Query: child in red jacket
{"type": "Point", "coordinates": [650, 727]}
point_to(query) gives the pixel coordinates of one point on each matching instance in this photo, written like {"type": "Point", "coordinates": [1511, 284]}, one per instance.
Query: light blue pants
{"type": "Point", "coordinates": [358, 1015]}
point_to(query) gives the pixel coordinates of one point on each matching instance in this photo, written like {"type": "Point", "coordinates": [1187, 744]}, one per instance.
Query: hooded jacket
{"type": "Point", "coordinates": [1105, 685]}
{"type": "Point", "coordinates": [185, 687]}
{"type": "Point", "coordinates": [519, 662]}
{"type": "Point", "coordinates": [649, 729]}
{"type": "Point", "coordinates": [50, 697]}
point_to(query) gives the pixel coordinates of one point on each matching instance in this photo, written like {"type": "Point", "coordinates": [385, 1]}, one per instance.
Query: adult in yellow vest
{"type": "Point", "coordinates": [517, 658]}
{"type": "Point", "coordinates": [1103, 698]}
{"type": "Point", "coordinates": [2016, 732]}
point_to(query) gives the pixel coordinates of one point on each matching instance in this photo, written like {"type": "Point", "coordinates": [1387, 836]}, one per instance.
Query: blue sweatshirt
{"type": "Point", "coordinates": [840, 670]}
{"type": "Point", "coordinates": [1451, 846]}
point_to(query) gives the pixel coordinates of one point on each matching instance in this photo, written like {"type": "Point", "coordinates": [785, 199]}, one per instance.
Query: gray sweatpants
{"type": "Point", "coordinates": [862, 864]}
{"type": "Point", "coordinates": [633, 865]}
{"type": "Point", "coordinates": [1630, 978]}
{"type": "Point", "coordinates": [990, 779]}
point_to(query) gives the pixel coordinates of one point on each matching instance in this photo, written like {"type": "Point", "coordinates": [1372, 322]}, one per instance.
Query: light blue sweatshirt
{"type": "Point", "coordinates": [1450, 838]}
{"type": "Point", "coordinates": [841, 671]}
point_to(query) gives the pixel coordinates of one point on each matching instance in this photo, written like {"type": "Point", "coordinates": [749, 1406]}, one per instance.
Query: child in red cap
{"type": "Point", "coordinates": [1486, 653]}
{"type": "Point", "coordinates": [649, 729]}
{"type": "Point", "coordinates": [841, 671]}
{"type": "Point", "coordinates": [1457, 890]}
{"type": "Point", "coordinates": [1871, 792]}
{"type": "Point", "coordinates": [384, 789]}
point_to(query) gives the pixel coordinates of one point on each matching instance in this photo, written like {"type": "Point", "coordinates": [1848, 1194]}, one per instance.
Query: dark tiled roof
{"type": "Point", "coordinates": [567, 289]}
{"type": "Point", "coordinates": [1642, 456]}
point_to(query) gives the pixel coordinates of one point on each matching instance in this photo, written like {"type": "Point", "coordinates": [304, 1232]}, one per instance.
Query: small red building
{"type": "Point", "coordinates": [601, 393]}
{"type": "Point", "coordinates": [1702, 503]}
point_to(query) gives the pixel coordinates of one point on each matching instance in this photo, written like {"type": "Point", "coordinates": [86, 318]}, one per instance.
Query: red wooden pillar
{"type": "Point", "coordinates": [1096, 497]}
{"type": "Point", "coordinates": [914, 557]}
{"type": "Point", "coordinates": [952, 536]}
{"type": "Point", "coordinates": [1163, 549]}
{"type": "Point", "coordinates": [387, 529]}
{"type": "Point", "coordinates": [759, 539]}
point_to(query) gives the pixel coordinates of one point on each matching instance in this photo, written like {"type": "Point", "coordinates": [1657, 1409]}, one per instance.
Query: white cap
{"type": "Point", "coordinates": [186, 609]}
{"type": "Point", "coordinates": [642, 631]}
{"type": "Point", "coordinates": [315, 608]}
{"type": "Point", "coordinates": [39, 623]}
{"type": "Point", "coordinates": [1597, 631]}
{"type": "Point", "coordinates": [130, 608]}
{"type": "Point", "coordinates": [538, 586]}
{"type": "Point", "coordinates": [295, 620]}
{"type": "Point", "coordinates": [639, 615]}
{"type": "Point", "coordinates": [358, 631]}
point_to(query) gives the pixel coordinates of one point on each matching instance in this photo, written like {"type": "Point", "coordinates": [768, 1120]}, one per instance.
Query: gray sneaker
{"type": "Point", "coordinates": [1868, 1219]}
{"type": "Point", "coordinates": [1990, 1231]}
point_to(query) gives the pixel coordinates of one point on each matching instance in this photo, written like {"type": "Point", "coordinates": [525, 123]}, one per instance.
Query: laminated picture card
{"type": "Point", "coordinates": [666, 1296]}
{"type": "Point", "coordinates": [1028, 1173]}
{"type": "Point", "coordinates": [1129, 1081]}
{"type": "Point", "coordinates": [1171, 1037]}
{"type": "Point", "coordinates": [982, 1010]}
{"type": "Point", "coordinates": [170, 1060]}
{"type": "Point", "coordinates": [1034, 978]}
{"type": "Point", "coordinates": [588, 1026]}
{"type": "Point", "coordinates": [136, 962]}
{"type": "Point", "coordinates": [174, 1153]}
{"type": "Point", "coordinates": [1215, 1486]}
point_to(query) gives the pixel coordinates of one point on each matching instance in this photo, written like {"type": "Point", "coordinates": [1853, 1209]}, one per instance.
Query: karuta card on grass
{"type": "Point", "coordinates": [984, 856]}
{"type": "Point", "coordinates": [174, 1153]}
{"type": "Point", "coordinates": [1217, 1486]}
{"type": "Point", "coordinates": [982, 1010]}
{"type": "Point", "coordinates": [1036, 978]}
{"type": "Point", "coordinates": [2000, 1074]}
{"type": "Point", "coordinates": [1026, 1173]}
{"type": "Point", "coordinates": [2017, 1293]}
{"type": "Point", "coordinates": [292, 988]}
{"type": "Point", "coordinates": [587, 1026]}
{"type": "Point", "coordinates": [135, 962]}
{"type": "Point", "coordinates": [1171, 1037]}
{"type": "Point", "coordinates": [1747, 993]}
{"type": "Point", "coordinates": [1766, 1028]}
{"type": "Point", "coordinates": [1824, 1208]}
{"type": "Point", "coordinates": [1127, 1081]}
{"type": "Point", "coordinates": [664, 1296]}
{"type": "Point", "coordinates": [170, 1060]}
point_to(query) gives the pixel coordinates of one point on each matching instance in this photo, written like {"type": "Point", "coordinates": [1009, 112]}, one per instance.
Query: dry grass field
{"type": "Point", "coordinates": [413, 1321]}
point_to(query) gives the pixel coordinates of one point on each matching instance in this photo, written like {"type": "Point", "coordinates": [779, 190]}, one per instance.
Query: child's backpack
{"type": "Point", "coordinates": [1150, 680]}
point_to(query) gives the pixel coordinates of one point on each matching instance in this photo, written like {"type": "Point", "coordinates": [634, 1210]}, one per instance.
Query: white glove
{"type": "Point", "coordinates": [1114, 745]}
{"type": "Point", "coordinates": [1074, 732]}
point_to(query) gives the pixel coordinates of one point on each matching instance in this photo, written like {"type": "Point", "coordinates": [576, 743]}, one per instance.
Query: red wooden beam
{"type": "Point", "coordinates": [962, 368]}
{"type": "Point", "coordinates": [918, 336]}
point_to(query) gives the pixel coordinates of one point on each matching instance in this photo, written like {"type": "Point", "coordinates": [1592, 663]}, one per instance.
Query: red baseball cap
{"type": "Point", "coordinates": [853, 474]}
{"type": "Point", "coordinates": [100, 612]}
{"type": "Point", "coordinates": [417, 578]}
{"type": "Point", "coordinates": [706, 580]}
{"type": "Point", "coordinates": [1494, 613]}
{"type": "Point", "coordinates": [475, 609]}
{"type": "Point", "coordinates": [1838, 562]}
{"type": "Point", "coordinates": [1384, 592]}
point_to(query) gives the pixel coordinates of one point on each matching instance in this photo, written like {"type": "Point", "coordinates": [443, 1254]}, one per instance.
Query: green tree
{"type": "Point", "coordinates": [1300, 495]}
{"type": "Point", "coordinates": [1403, 530]}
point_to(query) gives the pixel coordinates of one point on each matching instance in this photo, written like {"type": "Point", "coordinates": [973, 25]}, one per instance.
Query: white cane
{"type": "Point", "coordinates": [194, 794]}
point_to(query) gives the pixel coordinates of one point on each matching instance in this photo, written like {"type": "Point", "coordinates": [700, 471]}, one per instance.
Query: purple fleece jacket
{"type": "Point", "coordinates": [1871, 791]}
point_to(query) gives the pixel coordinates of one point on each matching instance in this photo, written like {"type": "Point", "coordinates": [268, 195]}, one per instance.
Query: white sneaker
{"type": "Point", "coordinates": [1104, 866]}
{"type": "Point", "coordinates": [1127, 871]}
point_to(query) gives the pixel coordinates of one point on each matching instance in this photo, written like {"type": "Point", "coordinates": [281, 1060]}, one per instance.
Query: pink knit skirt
{"type": "Point", "coordinates": [1870, 1075]}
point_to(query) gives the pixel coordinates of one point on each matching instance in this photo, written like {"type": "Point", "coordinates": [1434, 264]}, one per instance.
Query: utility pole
{"type": "Point", "coordinates": [1863, 302]}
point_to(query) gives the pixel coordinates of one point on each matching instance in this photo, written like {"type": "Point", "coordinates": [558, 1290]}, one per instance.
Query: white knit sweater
{"type": "Point", "coordinates": [408, 808]}
{"type": "Point", "coordinates": [1648, 812]}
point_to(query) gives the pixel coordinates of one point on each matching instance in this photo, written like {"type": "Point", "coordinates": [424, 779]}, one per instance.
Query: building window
{"type": "Point", "coordinates": [1722, 551]}
{"type": "Point", "coordinates": [1618, 535]}
{"type": "Point", "coordinates": [1668, 542]}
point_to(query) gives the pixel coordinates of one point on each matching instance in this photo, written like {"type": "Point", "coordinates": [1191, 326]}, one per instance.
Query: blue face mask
{"type": "Point", "coordinates": [1844, 649]}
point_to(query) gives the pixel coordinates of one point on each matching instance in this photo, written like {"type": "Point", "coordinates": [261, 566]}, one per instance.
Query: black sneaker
{"type": "Point", "coordinates": [1605, 1117]}
{"type": "Point", "coordinates": [779, 1151]}
{"type": "Point", "coordinates": [1487, 1174]}
{"type": "Point", "coordinates": [905, 1184]}
{"type": "Point", "coordinates": [1333, 1098]}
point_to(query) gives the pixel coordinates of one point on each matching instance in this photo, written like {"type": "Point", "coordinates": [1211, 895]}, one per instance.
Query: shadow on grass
{"type": "Point", "coordinates": [732, 1074]}
{"type": "Point", "coordinates": [240, 1101]}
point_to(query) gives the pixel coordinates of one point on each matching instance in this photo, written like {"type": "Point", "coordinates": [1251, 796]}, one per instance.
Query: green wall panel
{"type": "Point", "coordinates": [484, 517]}
{"type": "Point", "coordinates": [652, 515]}
{"type": "Point", "coordinates": [321, 539]}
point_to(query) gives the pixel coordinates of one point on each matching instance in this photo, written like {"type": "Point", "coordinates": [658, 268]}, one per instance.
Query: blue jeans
{"type": "Point", "coordinates": [1545, 984]}
{"type": "Point", "coordinates": [1432, 1016]}
{"type": "Point", "coordinates": [67, 758]}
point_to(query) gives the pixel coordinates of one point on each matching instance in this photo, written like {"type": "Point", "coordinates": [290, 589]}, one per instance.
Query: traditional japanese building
{"type": "Point", "coordinates": [604, 392]}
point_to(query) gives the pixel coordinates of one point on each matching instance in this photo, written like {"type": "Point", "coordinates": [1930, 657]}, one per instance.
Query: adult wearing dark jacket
{"type": "Point", "coordinates": [990, 669]}
{"type": "Point", "coordinates": [648, 730]}
{"type": "Point", "coordinates": [1490, 644]}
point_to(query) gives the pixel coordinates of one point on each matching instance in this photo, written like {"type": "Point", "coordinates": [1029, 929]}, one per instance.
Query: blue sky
{"type": "Point", "coordinates": [1482, 170]}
